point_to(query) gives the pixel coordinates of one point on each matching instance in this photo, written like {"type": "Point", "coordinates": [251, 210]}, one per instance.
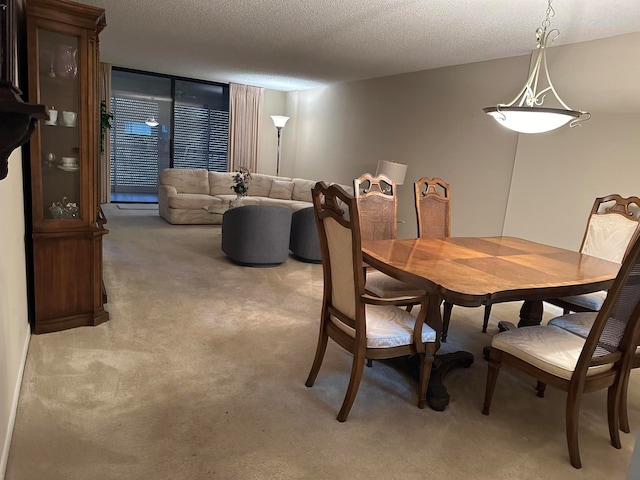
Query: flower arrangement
{"type": "Point", "coordinates": [241, 181]}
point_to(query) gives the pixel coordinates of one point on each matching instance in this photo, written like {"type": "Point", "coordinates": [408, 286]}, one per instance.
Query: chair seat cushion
{"type": "Point", "coordinates": [549, 348]}
{"type": "Point", "coordinates": [578, 324]}
{"type": "Point", "coordinates": [389, 326]}
{"type": "Point", "coordinates": [385, 286]}
{"type": "Point", "coordinates": [592, 301]}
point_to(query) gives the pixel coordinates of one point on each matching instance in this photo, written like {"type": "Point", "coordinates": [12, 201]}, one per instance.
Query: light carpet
{"type": "Point", "coordinates": [200, 374]}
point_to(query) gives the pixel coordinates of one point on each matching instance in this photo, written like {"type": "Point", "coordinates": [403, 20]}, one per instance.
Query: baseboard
{"type": "Point", "coordinates": [14, 409]}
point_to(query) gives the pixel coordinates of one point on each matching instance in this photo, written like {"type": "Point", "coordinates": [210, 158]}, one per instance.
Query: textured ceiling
{"type": "Point", "coordinates": [299, 44]}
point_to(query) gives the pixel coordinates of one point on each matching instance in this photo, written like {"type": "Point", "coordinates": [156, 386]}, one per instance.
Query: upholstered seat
{"type": "Point", "coordinates": [579, 353]}
{"type": "Point", "coordinates": [611, 228]}
{"type": "Point", "coordinates": [368, 327]}
{"type": "Point", "coordinates": [377, 207]}
{"type": "Point", "coordinates": [304, 241]}
{"type": "Point", "coordinates": [549, 348]}
{"type": "Point", "coordinates": [433, 211]}
{"type": "Point", "coordinates": [256, 235]}
{"type": "Point", "coordinates": [580, 324]}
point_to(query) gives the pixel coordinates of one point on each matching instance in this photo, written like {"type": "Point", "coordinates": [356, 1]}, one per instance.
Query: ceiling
{"type": "Point", "coordinates": [301, 44]}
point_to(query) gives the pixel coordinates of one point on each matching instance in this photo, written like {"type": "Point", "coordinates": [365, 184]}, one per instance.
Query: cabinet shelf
{"type": "Point", "coordinates": [67, 224]}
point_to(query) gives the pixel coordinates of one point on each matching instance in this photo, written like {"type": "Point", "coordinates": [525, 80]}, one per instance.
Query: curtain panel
{"type": "Point", "coordinates": [104, 169]}
{"type": "Point", "coordinates": [245, 109]}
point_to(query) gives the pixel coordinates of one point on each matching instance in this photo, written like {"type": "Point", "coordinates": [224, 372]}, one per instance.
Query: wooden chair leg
{"type": "Point", "coordinates": [446, 317]}
{"type": "Point", "coordinates": [357, 370]}
{"type": "Point", "coordinates": [624, 413]}
{"type": "Point", "coordinates": [369, 363]}
{"type": "Point", "coordinates": [492, 377]}
{"type": "Point", "coordinates": [487, 314]}
{"type": "Point", "coordinates": [425, 372]}
{"type": "Point", "coordinates": [317, 361]}
{"type": "Point", "coordinates": [572, 413]}
{"type": "Point", "coordinates": [613, 415]}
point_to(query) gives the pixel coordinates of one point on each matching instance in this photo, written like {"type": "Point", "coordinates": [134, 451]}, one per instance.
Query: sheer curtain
{"type": "Point", "coordinates": [245, 109]}
{"type": "Point", "coordinates": [104, 169]}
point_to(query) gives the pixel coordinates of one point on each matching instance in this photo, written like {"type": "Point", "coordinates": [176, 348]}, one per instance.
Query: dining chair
{"type": "Point", "coordinates": [364, 325]}
{"type": "Point", "coordinates": [611, 228]}
{"type": "Point", "coordinates": [433, 209]}
{"type": "Point", "coordinates": [377, 207]}
{"type": "Point", "coordinates": [580, 324]}
{"type": "Point", "coordinates": [574, 363]}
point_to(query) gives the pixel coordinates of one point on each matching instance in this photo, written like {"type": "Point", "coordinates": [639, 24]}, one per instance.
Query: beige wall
{"type": "Point", "coordinates": [274, 104]}
{"type": "Point", "coordinates": [557, 175]}
{"type": "Point", "coordinates": [432, 121]}
{"type": "Point", "coordinates": [14, 329]}
{"type": "Point", "coordinates": [535, 186]}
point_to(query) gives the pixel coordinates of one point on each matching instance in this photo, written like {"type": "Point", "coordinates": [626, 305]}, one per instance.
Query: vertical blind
{"type": "Point", "coordinates": [134, 145]}
{"type": "Point", "coordinates": [200, 138]}
{"type": "Point", "coordinates": [200, 132]}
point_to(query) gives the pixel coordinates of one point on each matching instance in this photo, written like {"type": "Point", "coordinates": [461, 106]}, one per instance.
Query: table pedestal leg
{"type": "Point", "coordinates": [530, 314]}
{"type": "Point", "coordinates": [437, 395]}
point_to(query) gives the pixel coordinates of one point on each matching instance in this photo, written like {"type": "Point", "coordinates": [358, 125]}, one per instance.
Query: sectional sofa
{"type": "Point", "coordinates": [183, 194]}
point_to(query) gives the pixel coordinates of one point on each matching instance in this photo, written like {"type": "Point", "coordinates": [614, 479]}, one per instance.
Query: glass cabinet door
{"type": "Point", "coordinates": [60, 134]}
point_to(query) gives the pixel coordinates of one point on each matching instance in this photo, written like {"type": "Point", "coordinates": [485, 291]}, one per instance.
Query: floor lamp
{"type": "Point", "coordinates": [279, 121]}
{"type": "Point", "coordinates": [395, 171]}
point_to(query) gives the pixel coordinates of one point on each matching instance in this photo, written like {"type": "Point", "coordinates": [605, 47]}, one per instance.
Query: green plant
{"type": "Point", "coordinates": [105, 122]}
{"type": "Point", "coordinates": [241, 181]}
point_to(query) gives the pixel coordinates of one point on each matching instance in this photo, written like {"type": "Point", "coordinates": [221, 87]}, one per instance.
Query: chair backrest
{"type": "Point", "coordinates": [616, 327]}
{"type": "Point", "coordinates": [433, 208]}
{"type": "Point", "coordinates": [612, 227]}
{"type": "Point", "coordinates": [341, 254]}
{"type": "Point", "coordinates": [377, 206]}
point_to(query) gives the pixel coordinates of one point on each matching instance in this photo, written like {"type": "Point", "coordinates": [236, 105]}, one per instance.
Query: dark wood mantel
{"type": "Point", "coordinates": [17, 118]}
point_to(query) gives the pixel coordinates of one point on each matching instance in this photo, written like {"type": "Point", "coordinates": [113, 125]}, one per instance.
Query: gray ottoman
{"type": "Point", "coordinates": [305, 241]}
{"type": "Point", "coordinates": [256, 235]}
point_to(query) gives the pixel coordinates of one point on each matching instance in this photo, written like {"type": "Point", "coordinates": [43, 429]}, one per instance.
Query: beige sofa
{"type": "Point", "coordinates": [183, 194]}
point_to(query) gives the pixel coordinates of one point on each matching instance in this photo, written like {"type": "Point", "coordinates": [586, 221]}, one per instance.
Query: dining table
{"type": "Point", "coordinates": [475, 271]}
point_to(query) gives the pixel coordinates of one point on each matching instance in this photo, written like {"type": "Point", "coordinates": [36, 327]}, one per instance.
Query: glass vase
{"type": "Point", "coordinates": [239, 201]}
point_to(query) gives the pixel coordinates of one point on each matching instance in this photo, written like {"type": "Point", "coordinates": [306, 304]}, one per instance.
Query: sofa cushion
{"type": "Point", "coordinates": [246, 200]}
{"type": "Point", "coordinates": [260, 185]}
{"type": "Point", "coordinates": [186, 180]}
{"type": "Point", "coordinates": [302, 189]}
{"type": "Point", "coordinates": [220, 183]}
{"type": "Point", "coordinates": [281, 189]}
{"type": "Point", "coordinates": [193, 201]}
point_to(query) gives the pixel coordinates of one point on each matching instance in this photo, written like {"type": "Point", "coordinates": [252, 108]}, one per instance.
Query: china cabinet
{"type": "Point", "coordinates": [67, 223]}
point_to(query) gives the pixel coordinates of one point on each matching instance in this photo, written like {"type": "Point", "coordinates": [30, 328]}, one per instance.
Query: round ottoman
{"type": "Point", "coordinates": [305, 241]}
{"type": "Point", "coordinates": [256, 235]}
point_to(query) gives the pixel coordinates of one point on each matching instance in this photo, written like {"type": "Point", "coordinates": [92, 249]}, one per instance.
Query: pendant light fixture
{"type": "Point", "coordinates": [151, 120]}
{"type": "Point", "coordinates": [526, 113]}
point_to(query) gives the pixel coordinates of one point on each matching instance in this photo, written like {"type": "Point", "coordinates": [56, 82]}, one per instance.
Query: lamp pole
{"type": "Point", "coordinates": [279, 121]}
{"type": "Point", "coordinates": [278, 153]}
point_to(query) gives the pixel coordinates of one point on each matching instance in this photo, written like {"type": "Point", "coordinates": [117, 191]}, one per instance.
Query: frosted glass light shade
{"type": "Point", "coordinates": [531, 119]}
{"type": "Point", "coordinates": [279, 121]}
{"type": "Point", "coordinates": [394, 171]}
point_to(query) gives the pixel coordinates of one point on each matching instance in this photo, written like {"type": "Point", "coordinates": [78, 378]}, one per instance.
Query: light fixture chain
{"type": "Point", "coordinates": [550, 13]}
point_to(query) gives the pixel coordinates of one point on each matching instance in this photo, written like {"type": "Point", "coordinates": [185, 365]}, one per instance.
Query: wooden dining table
{"type": "Point", "coordinates": [475, 271]}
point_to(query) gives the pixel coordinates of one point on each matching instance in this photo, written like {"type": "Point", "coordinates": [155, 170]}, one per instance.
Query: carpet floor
{"type": "Point", "coordinates": [200, 373]}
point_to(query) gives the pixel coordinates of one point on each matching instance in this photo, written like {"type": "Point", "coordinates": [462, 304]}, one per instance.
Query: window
{"type": "Point", "coordinates": [192, 130]}
{"type": "Point", "coordinates": [201, 119]}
